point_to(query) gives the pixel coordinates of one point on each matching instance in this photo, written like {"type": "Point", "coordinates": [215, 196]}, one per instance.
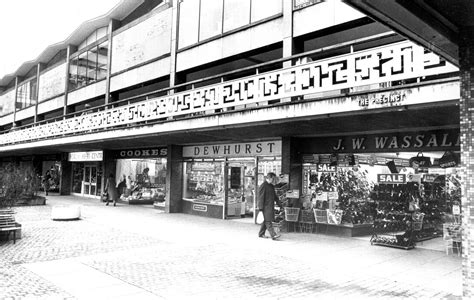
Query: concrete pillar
{"type": "Point", "coordinates": [113, 24]}
{"type": "Point", "coordinates": [174, 41]}
{"type": "Point", "coordinates": [288, 44]}
{"type": "Point", "coordinates": [70, 50]}
{"type": "Point", "coordinates": [65, 182]}
{"type": "Point", "coordinates": [109, 167]}
{"type": "Point", "coordinates": [17, 83]}
{"type": "Point", "coordinates": [290, 163]}
{"type": "Point", "coordinates": [466, 105]}
{"type": "Point", "coordinates": [174, 179]}
{"type": "Point", "coordinates": [39, 68]}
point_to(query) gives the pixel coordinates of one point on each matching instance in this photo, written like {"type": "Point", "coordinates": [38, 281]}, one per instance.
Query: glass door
{"type": "Point", "coordinates": [89, 183]}
{"type": "Point", "coordinates": [240, 187]}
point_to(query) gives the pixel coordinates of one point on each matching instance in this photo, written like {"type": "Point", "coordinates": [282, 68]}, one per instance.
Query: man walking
{"type": "Point", "coordinates": [266, 203]}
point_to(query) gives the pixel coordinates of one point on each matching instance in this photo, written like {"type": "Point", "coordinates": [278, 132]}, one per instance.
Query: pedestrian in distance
{"type": "Point", "coordinates": [110, 187]}
{"type": "Point", "coordinates": [46, 183]}
{"type": "Point", "coordinates": [267, 198]}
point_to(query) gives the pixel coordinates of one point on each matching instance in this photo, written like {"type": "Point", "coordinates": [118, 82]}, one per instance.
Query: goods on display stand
{"type": "Point", "coordinates": [403, 200]}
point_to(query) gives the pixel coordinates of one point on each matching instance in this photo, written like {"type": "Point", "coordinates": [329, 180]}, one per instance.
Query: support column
{"type": "Point", "coordinates": [17, 83]}
{"type": "Point", "coordinates": [466, 105]}
{"type": "Point", "coordinates": [39, 68]}
{"type": "Point", "coordinates": [174, 41]}
{"type": "Point", "coordinates": [174, 179]}
{"type": "Point", "coordinates": [70, 50]}
{"type": "Point", "coordinates": [288, 44]}
{"type": "Point", "coordinates": [65, 181]}
{"type": "Point", "coordinates": [291, 164]}
{"type": "Point", "coordinates": [113, 24]}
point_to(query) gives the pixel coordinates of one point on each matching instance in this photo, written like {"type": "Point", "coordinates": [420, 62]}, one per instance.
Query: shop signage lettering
{"type": "Point", "coordinates": [140, 153]}
{"type": "Point", "coordinates": [86, 156]}
{"type": "Point", "coordinates": [326, 168]}
{"type": "Point", "coordinates": [439, 140]}
{"type": "Point", "coordinates": [430, 177]}
{"type": "Point", "coordinates": [270, 148]}
{"type": "Point", "coordinates": [388, 63]}
{"type": "Point", "coordinates": [391, 178]}
{"type": "Point", "coordinates": [200, 207]}
{"type": "Point", "coordinates": [394, 98]}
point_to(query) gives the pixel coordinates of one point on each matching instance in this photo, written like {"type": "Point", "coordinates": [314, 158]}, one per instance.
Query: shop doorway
{"type": "Point", "coordinates": [241, 188]}
{"type": "Point", "coordinates": [90, 181]}
{"type": "Point", "coordinates": [87, 180]}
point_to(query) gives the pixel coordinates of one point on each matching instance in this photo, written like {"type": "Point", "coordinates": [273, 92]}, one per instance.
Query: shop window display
{"type": "Point", "coordinates": [204, 182]}
{"type": "Point", "coordinates": [141, 180]}
{"type": "Point", "coordinates": [404, 200]}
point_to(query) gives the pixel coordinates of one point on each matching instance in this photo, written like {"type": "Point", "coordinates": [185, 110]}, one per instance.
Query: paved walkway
{"type": "Point", "coordinates": [137, 252]}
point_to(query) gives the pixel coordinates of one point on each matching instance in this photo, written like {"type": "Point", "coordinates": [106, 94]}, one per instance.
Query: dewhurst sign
{"type": "Point", "coordinates": [268, 148]}
{"type": "Point", "coordinates": [388, 63]}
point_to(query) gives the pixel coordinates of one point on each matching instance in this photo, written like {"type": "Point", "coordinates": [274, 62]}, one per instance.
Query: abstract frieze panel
{"type": "Point", "coordinates": [389, 63]}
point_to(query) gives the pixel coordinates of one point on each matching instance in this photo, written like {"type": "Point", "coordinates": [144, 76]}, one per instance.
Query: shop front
{"type": "Point", "coordinates": [221, 181]}
{"type": "Point", "coordinates": [140, 175]}
{"type": "Point", "coordinates": [87, 173]}
{"type": "Point", "coordinates": [398, 189]}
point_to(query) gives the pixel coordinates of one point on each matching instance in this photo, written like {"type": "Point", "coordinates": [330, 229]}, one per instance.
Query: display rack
{"type": "Point", "coordinates": [393, 223]}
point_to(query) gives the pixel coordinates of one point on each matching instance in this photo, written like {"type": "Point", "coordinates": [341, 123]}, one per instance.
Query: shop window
{"type": "Point", "coordinates": [402, 201]}
{"type": "Point", "coordinates": [141, 180]}
{"type": "Point", "coordinates": [204, 182]}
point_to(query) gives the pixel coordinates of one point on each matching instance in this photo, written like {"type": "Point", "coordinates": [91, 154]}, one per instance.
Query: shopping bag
{"type": "Point", "coordinates": [104, 196]}
{"type": "Point", "coordinates": [420, 161]}
{"type": "Point", "coordinates": [260, 218]}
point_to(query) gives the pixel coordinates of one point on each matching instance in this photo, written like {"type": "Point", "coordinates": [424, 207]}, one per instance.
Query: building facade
{"type": "Point", "coordinates": [190, 103]}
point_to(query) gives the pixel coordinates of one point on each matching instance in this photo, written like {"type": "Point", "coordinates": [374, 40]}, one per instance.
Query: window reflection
{"type": "Point", "coordinates": [88, 66]}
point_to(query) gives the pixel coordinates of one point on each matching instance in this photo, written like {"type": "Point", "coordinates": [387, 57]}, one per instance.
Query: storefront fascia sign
{"type": "Point", "coordinates": [86, 156]}
{"type": "Point", "coordinates": [140, 153]}
{"type": "Point", "coordinates": [438, 140]}
{"type": "Point", "coordinates": [268, 148]}
{"type": "Point", "coordinates": [392, 62]}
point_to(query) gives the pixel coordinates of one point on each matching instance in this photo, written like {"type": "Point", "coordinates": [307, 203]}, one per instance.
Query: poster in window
{"type": "Point", "coordinates": [235, 175]}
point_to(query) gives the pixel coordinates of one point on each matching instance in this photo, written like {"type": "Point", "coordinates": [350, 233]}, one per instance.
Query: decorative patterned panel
{"type": "Point", "coordinates": [389, 63]}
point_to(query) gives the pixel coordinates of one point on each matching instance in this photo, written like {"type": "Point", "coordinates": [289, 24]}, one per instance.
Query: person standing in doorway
{"type": "Point", "coordinates": [110, 187]}
{"type": "Point", "coordinates": [266, 203]}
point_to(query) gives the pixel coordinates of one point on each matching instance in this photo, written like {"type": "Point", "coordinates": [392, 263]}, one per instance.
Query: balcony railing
{"type": "Point", "coordinates": [389, 63]}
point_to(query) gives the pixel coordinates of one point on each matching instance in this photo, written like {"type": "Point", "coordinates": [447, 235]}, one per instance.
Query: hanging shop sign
{"type": "Point", "coordinates": [269, 148]}
{"type": "Point", "coordinates": [86, 156]}
{"type": "Point", "coordinates": [392, 62]}
{"type": "Point", "coordinates": [391, 178]}
{"type": "Point", "coordinates": [325, 168]}
{"type": "Point", "coordinates": [139, 153]}
{"type": "Point", "coordinates": [439, 140]}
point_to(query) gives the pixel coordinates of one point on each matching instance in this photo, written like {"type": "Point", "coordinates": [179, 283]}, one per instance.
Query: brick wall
{"type": "Point", "coordinates": [466, 105]}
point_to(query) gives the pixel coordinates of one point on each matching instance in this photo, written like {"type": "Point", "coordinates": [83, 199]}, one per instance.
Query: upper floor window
{"type": "Point", "coordinates": [94, 37]}
{"type": "Point", "coordinates": [27, 94]}
{"type": "Point", "coordinates": [89, 66]}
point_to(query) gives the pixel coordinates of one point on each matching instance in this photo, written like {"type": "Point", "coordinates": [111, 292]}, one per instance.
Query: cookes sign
{"type": "Point", "coordinates": [441, 140]}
